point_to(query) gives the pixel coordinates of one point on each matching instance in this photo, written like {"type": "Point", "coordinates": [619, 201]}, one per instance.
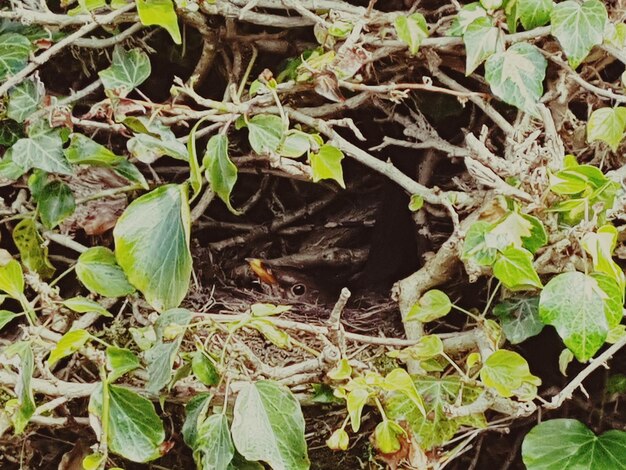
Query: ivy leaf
{"type": "Point", "coordinates": [435, 428]}
{"type": "Point", "coordinates": [152, 140]}
{"type": "Point", "coordinates": [6, 317]}
{"type": "Point", "coordinates": [84, 151]}
{"type": "Point", "coordinates": [516, 76]}
{"type": "Point", "coordinates": [326, 164]}
{"type": "Point", "coordinates": [33, 250]}
{"type": "Point", "coordinates": [265, 133]}
{"type": "Point", "coordinates": [399, 380]}
{"type": "Point", "coordinates": [195, 411]}
{"type": "Point", "coordinates": [152, 245]}
{"type": "Point", "coordinates": [135, 430]}
{"type": "Point", "coordinates": [507, 371]}
{"type": "Point", "coordinates": [268, 425]}
{"type": "Point", "coordinates": [466, 16]}
{"type": "Point", "coordinates": [296, 144]}
{"type": "Point", "coordinates": [578, 27]}
{"type": "Point", "coordinates": [160, 13]}
{"type": "Point", "coordinates": [25, 98]}
{"type": "Point", "coordinates": [482, 39]}
{"type": "Point", "coordinates": [12, 278]}
{"type": "Point", "coordinates": [55, 203]}
{"type": "Point", "coordinates": [514, 268]}
{"type": "Point", "coordinates": [476, 247]}
{"type": "Point", "coordinates": [69, 343]}
{"type": "Point", "coordinates": [567, 444]}
{"type": "Point", "coordinates": [534, 13]}
{"type": "Point", "coordinates": [128, 70]}
{"type": "Point", "coordinates": [26, 402]}
{"type": "Point", "coordinates": [119, 361]}
{"type": "Point", "coordinates": [412, 30]}
{"type": "Point", "coordinates": [607, 125]}
{"type": "Point", "coordinates": [170, 329]}
{"type": "Point", "coordinates": [519, 318]}
{"type": "Point", "coordinates": [386, 436]}
{"type": "Point", "coordinates": [43, 149]}
{"type": "Point", "coordinates": [14, 52]}
{"type": "Point", "coordinates": [99, 272]}
{"type": "Point", "coordinates": [432, 305]}
{"type": "Point", "coordinates": [85, 305]}
{"type": "Point", "coordinates": [221, 172]}
{"type": "Point", "coordinates": [573, 304]}
{"type": "Point", "coordinates": [213, 447]}
{"type": "Point", "coordinates": [204, 369]}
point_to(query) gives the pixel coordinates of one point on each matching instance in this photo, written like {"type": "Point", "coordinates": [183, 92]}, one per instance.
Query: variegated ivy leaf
{"type": "Point", "coordinates": [516, 76]}
{"type": "Point", "coordinates": [578, 27]}
{"type": "Point", "coordinates": [482, 39]}
{"type": "Point", "coordinates": [221, 172]}
{"type": "Point", "coordinates": [14, 52]}
{"type": "Point", "coordinates": [128, 70]}
{"type": "Point", "coordinates": [42, 149]}
{"type": "Point", "coordinates": [25, 98]}
{"type": "Point", "coordinates": [412, 29]}
{"type": "Point", "coordinates": [607, 125]}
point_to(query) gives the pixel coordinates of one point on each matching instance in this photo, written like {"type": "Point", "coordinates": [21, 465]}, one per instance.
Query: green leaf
{"type": "Point", "coordinates": [43, 150]}
{"type": "Point", "coordinates": [128, 70]}
{"type": "Point", "coordinates": [572, 303]}
{"type": "Point", "coordinates": [6, 317]}
{"type": "Point", "coordinates": [435, 428]}
{"type": "Point", "coordinates": [267, 310]}
{"type": "Point", "coordinates": [119, 361]}
{"type": "Point", "coordinates": [25, 98]}
{"type": "Point", "coordinates": [412, 30]}
{"type": "Point", "coordinates": [268, 425]}
{"type": "Point", "coordinates": [195, 410]}
{"type": "Point", "coordinates": [338, 440]}
{"type": "Point", "coordinates": [466, 16]}
{"type": "Point", "coordinates": [613, 298]}
{"type": "Point", "coordinates": [135, 430]}
{"type": "Point", "coordinates": [152, 245]}
{"type": "Point", "coordinates": [69, 343]}
{"type": "Point", "coordinates": [538, 236]}
{"type": "Point", "coordinates": [170, 329]}
{"type": "Point", "coordinates": [426, 347]}
{"type": "Point", "coordinates": [160, 13]}
{"type": "Point", "coordinates": [514, 268]}
{"type": "Point", "coordinates": [85, 305]}
{"type": "Point", "coordinates": [578, 27]}
{"type": "Point", "coordinates": [14, 52]}
{"type": "Point", "coordinates": [432, 305]}
{"type": "Point", "coordinates": [416, 202]}
{"type": "Point", "coordinates": [84, 151]}
{"type": "Point", "coordinates": [221, 172]}
{"type": "Point", "coordinates": [55, 203]}
{"type": "Point", "coordinates": [33, 250]}
{"type": "Point", "coordinates": [516, 76]}
{"type": "Point", "coordinates": [519, 318]}
{"type": "Point", "coordinates": [355, 402]}
{"type": "Point", "coordinates": [26, 402]}
{"type": "Point", "coordinates": [326, 164]}
{"type": "Point", "coordinates": [482, 39]}
{"type": "Point", "coordinates": [341, 371]}
{"type": "Point", "coordinates": [600, 246]}
{"type": "Point", "coordinates": [507, 371]}
{"type": "Point", "coordinates": [476, 247]}
{"type": "Point", "coordinates": [12, 279]}
{"type": "Point", "coordinates": [386, 436]}
{"type": "Point", "coordinates": [534, 13]}
{"type": "Point", "coordinates": [152, 140]}
{"type": "Point", "coordinates": [99, 272]}
{"type": "Point", "coordinates": [399, 380]}
{"type": "Point", "coordinates": [204, 369]}
{"type": "Point", "coordinates": [567, 444]}
{"type": "Point", "coordinates": [213, 448]}
{"type": "Point", "coordinates": [607, 125]}
{"type": "Point", "coordinates": [265, 133]}
{"type": "Point", "coordinates": [296, 144]}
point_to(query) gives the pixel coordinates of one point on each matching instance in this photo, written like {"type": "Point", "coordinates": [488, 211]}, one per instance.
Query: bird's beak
{"type": "Point", "coordinates": [263, 272]}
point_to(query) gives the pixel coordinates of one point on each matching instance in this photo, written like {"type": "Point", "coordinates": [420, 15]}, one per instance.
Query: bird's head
{"type": "Point", "coordinates": [286, 283]}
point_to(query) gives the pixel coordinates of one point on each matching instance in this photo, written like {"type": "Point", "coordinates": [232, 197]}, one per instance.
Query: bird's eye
{"type": "Point", "coordinates": [298, 289]}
